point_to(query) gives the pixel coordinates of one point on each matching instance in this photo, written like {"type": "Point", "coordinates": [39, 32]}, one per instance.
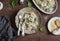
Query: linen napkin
{"type": "Point", "coordinates": [6, 30]}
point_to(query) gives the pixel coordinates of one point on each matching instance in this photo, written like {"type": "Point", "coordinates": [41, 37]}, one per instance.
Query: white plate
{"type": "Point", "coordinates": [27, 9]}
{"type": "Point", "coordinates": [43, 10]}
{"type": "Point", "coordinates": [56, 32]}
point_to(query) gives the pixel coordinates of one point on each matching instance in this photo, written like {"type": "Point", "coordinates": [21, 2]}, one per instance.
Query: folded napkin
{"type": "Point", "coordinates": [6, 30]}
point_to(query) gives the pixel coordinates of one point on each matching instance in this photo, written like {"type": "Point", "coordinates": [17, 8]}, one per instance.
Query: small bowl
{"type": "Point", "coordinates": [45, 11]}
{"type": "Point", "coordinates": [56, 32]}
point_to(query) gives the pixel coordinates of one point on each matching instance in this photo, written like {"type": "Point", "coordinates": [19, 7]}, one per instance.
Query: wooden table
{"type": "Point", "coordinates": [39, 36]}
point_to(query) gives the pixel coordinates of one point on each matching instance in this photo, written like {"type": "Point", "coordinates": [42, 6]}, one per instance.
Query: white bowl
{"type": "Point", "coordinates": [56, 32]}
{"type": "Point", "coordinates": [45, 11]}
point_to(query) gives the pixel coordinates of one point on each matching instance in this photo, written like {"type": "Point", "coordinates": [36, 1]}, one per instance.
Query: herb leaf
{"type": "Point", "coordinates": [14, 3]}
{"type": "Point", "coordinates": [41, 29]}
{"type": "Point", "coordinates": [29, 4]}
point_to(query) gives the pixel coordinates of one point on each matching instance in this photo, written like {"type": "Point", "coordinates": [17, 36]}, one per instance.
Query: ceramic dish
{"type": "Point", "coordinates": [54, 25]}
{"type": "Point", "coordinates": [42, 6]}
{"type": "Point", "coordinates": [27, 13]}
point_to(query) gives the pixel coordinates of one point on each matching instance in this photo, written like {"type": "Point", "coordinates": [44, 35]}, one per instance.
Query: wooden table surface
{"type": "Point", "coordinates": [39, 36]}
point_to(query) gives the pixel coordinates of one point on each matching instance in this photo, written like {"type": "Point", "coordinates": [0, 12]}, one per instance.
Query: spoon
{"type": "Point", "coordinates": [20, 24]}
{"type": "Point", "coordinates": [23, 33]}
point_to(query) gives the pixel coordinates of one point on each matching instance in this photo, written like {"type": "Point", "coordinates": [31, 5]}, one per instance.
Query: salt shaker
{"type": "Point", "coordinates": [21, 1]}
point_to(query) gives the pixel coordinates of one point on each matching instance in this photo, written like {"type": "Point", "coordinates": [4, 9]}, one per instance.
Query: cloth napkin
{"type": "Point", "coordinates": [6, 30]}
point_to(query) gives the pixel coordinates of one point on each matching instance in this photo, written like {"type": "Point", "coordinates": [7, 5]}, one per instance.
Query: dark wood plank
{"type": "Point", "coordinates": [39, 36]}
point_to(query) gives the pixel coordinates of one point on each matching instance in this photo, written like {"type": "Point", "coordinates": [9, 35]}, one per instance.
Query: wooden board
{"type": "Point", "coordinates": [39, 36]}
